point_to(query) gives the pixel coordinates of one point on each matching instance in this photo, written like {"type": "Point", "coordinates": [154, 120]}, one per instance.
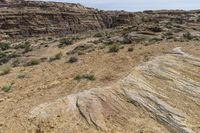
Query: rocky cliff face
{"type": "Point", "coordinates": [29, 18]}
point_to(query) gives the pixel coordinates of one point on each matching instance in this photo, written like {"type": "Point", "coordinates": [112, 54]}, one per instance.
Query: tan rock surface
{"type": "Point", "coordinates": [161, 95]}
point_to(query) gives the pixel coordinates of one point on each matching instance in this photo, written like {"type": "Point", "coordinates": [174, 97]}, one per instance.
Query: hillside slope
{"type": "Point", "coordinates": [33, 18]}
{"type": "Point", "coordinates": [149, 99]}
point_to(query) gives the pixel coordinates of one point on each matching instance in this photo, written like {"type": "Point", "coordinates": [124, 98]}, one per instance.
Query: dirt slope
{"type": "Point", "coordinates": [148, 99]}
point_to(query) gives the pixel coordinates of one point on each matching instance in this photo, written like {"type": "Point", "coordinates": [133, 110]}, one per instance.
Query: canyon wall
{"type": "Point", "coordinates": [31, 18]}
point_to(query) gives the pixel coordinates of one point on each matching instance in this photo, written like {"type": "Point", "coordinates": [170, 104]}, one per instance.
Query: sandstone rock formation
{"type": "Point", "coordinates": [31, 18]}
{"type": "Point", "coordinates": [161, 95]}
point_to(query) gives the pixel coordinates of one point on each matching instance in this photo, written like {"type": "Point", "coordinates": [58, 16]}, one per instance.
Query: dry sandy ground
{"type": "Point", "coordinates": [47, 82]}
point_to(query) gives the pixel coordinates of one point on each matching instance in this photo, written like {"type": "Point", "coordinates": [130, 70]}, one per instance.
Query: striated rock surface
{"type": "Point", "coordinates": [161, 95]}
{"type": "Point", "coordinates": [33, 18]}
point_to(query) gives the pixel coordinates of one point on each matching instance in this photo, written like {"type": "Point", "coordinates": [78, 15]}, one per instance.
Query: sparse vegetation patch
{"type": "Point", "coordinates": [114, 48]}
{"type": "Point", "coordinates": [5, 70]}
{"type": "Point", "coordinates": [56, 57]}
{"type": "Point", "coordinates": [65, 41]}
{"type": "Point", "coordinates": [33, 62]}
{"type": "Point", "coordinates": [72, 59]}
{"type": "Point", "coordinates": [4, 46]}
{"type": "Point", "coordinates": [86, 77]}
{"type": "Point", "coordinates": [130, 49]}
{"type": "Point", "coordinates": [6, 88]}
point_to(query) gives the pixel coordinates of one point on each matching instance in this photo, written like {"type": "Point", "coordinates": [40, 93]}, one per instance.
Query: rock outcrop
{"type": "Point", "coordinates": [33, 18]}
{"type": "Point", "coordinates": [161, 95]}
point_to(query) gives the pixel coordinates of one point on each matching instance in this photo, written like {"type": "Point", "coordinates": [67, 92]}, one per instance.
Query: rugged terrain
{"type": "Point", "coordinates": [28, 18]}
{"type": "Point", "coordinates": [69, 68]}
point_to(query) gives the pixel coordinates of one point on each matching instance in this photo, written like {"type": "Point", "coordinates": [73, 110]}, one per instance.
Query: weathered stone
{"type": "Point", "coordinates": [146, 88]}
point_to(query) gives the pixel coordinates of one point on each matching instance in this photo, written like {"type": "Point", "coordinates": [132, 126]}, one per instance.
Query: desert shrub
{"type": "Point", "coordinates": [198, 19]}
{"type": "Point", "coordinates": [155, 29]}
{"type": "Point", "coordinates": [5, 70]}
{"type": "Point", "coordinates": [108, 42]}
{"type": "Point", "coordinates": [86, 77]}
{"type": "Point", "coordinates": [27, 48]}
{"type": "Point", "coordinates": [64, 42]}
{"type": "Point", "coordinates": [6, 56]}
{"type": "Point", "coordinates": [56, 57]}
{"type": "Point", "coordinates": [130, 49]}
{"type": "Point", "coordinates": [15, 63]}
{"type": "Point", "coordinates": [121, 47]}
{"type": "Point", "coordinates": [188, 36]}
{"type": "Point", "coordinates": [84, 48]}
{"type": "Point", "coordinates": [6, 88]}
{"type": "Point", "coordinates": [168, 25]}
{"type": "Point", "coordinates": [126, 40]}
{"type": "Point", "coordinates": [21, 45]}
{"type": "Point", "coordinates": [50, 38]}
{"type": "Point", "coordinates": [72, 59]}
{"type": "Point", "coordinates": [74, 38]}
{"type": "Point", "coordinates": [168, 35]}
{"type": "Point", "coordinates": [4, 46]}
{"type": "Point", "coordinates": [155, 39]}
{"type": "Point", "coordinates": [99, 34]}
{"type": "Point", "coordinates": [21, 76]}
{"type": "Point", "coordinates": [33, 62]}
{"type": "Point", "coordinates": [125, 34]}
{"type": "Point", "coordinates": [114, 48]}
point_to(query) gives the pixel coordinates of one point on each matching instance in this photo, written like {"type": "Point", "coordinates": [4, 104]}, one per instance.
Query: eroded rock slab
{"type": "Point", "coordinates": [162, 95]}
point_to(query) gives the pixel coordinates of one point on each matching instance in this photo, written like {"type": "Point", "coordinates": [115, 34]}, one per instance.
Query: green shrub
{"type": "Point", "coordinates": [155, 39]}
{"type": "Point", "coordinates": [198, 19]}
{"type": "Point", "coordinates": [130, 49]}
{"type": "Point", "coordinates": [74, 38]}
{"type": "Point", "coordinates": [168, 35]}
{"type": "Point", "coordinates": [155, 29]}
{"type": "Point", "coordinates": [5, 70]}
{"type": "Point", "coordinates": [64, 42]}
{"type": "Point", "coordinates": [99, 34]}
{"type": "Point", "coordinates": [15, 63]}
{"type": "Point", "coordinates": [6, 88]}
{"type": "Point", "coordinates": [33, 62]}
{"type": "Point", "coordinates": [26, 46]}
{"type": "Point", "coordinates": [188, 36]}
{"type": "Point", "coordinates": [126, 40]}
{"type": "Point", "coordinates": [114, 48]}
{"type": "Point", "coordinates": [4, 46]}
{"type": "Point", "coordinates": [72, 59]}
{"type": "Point", "coordinates": [86, 77]}
{"type": "Point", "coordinates": [121, 47]}
{"type": "Point", "coordinates": [50, 38]}
{"type": "Point", "coordinates": [21, 76]}
{"type": "Point", "coordinates": [56, 57]}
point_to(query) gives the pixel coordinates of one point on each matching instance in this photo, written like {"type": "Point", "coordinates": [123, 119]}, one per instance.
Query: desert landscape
{"type": "Point", "coordinates": [67, 68]}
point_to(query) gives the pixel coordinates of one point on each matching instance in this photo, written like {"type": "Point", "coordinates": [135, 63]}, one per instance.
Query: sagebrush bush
{"type": "Point", "coordinates": [21, 76]}
{"type": "Point", "coordinates": [6, 88]}
{"type": "Point", "coordinates": [5, 70]}
{"type": "Point", "coordinates": [4, 46]}
{"type": "Point", "coordinates": [188, 36]}
{"type": "Point", "coordinates": [65, 42]}
{"type": "Point", "coordinates": [114, 48]}
{"type": "Point", "coordinates": [72, 59]}
{"type": "Point", "coordinates": [168, 35]}
{"type": "Point", "coordinates": [130, 49]}
{"type": "Point", "coordinates": [99, 34]}
{"type": "Point", "coordinates": [155, 29]}
{"type": "Point", "coordinates": [86, 77]}
{"type": "Point", "coordinates": [33, 62]}
{"type": "Point", "coordinates": [56, 57]}
{"type": "Point", "coordinates": [16, 63]}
